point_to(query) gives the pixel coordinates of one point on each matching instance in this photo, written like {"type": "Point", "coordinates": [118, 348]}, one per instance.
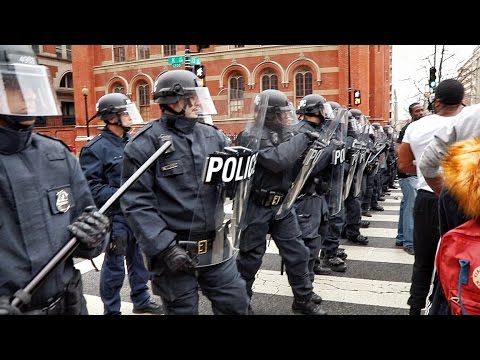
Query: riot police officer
{"type": "Point", "coordinates": [101, 160]}
{"type": "Point", "coordinates": [45, 196]}
{"type": "Point", "coordinates": [353, 209]}
{"type": "Point", "coordinates": [332, 257]}
{"type": "Point", "coordinates": [311, 206]}
{"type": "Point", "coordinates": [175, 216]}
{"type": "Point", "coordinates": [278, 153]}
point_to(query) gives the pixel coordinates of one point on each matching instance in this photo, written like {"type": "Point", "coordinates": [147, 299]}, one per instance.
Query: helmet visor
{"type": "Point", "coordinates": [134, 114]}
{"type": "Point", "coordinates": [198, 102]}
{"type": "Point", "coordinates": [26, 90]}
{"type": "Point", "coordinates": [328, 111]}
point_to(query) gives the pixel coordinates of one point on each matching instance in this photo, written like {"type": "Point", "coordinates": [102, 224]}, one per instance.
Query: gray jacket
{"type": "Point", "coordinates": [465, 125]}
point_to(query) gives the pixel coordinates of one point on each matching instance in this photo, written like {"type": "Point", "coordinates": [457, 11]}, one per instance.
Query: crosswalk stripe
{"type": "Point", "coordinates": [95, 306]}
{"type": "Point", "coordinates": [380, 217]}
{"type": "Point", "coordinates": [340, 289]}
{"type": "Point", "coordinates": [364, 253]}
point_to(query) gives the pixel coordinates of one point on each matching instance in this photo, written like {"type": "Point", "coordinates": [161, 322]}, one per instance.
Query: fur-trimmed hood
{"type": "Point", "coordinates": [461, 169]}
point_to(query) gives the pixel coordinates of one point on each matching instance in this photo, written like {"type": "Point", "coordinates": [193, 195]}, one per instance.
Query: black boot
{"type": "Point", "coordinates": [316, 299]}
{"type": "Point", "coordinates": [307, 307]}
{"type": "Point", "coordinates": [335, 264]}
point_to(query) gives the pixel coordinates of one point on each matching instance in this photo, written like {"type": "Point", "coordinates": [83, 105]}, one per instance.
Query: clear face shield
{"type": "Point", "coordinates": [26, 90]}
{"type": "Point", "coordinates": [328, 111]}
{"type": "Point", "coordinates": [131, 116]}
{"type": "Point", "coordinates": [197, 102]}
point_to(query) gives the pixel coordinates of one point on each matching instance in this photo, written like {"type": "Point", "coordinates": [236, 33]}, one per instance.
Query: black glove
{"type": "Point", "coordinates": [176, 258]}
{"type": "Point", "coordinates": [6, 308]}
{"type": "Point", "coordinates": [337, 144]}
{"type": "Point", "coordinates": [312, 135]}
{"type": "Point", "coordinates": [90, 228]}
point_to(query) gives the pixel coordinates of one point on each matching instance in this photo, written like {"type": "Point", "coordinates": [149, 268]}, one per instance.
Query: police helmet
{"type": "Point", "coordinates": [172, 85]}
{"type": "Point", "coordinates": [112, 106]}
{"type": "Point", "coordinates": [312, 104]}
{"type": "Point", "coordinates": [279, 111]}
{"type": "Point", "coordinates": [25, 86]}
{"type": "Point", "coordinates": [277, 101]}
{"type": "Point", "coordinates": [334, 105]}
{"type": "Point", "coordinates": [109, 105]}
{"type": "Point", "coordinates": [356, 113]}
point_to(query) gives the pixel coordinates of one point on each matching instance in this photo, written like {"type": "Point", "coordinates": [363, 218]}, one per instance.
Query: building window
{"type": "Point", "coordinates": [269, 81]}
{"type": "Point", "coordinates": [143, 52]}
{"type": "Point", "coordinates": [143, 96]}
{"type": "Point", "coordinates": [118, 88]}
{"type": "Point", "coordinates": [236, 90]}
{"type": "Point", "coordinates": [169, 50]}
{"type": "Point", "coordinates": [303, 84]}
{"type": "Point", "coordinates": [67, 81]}
{"type": "Point", "coordinates": [68, 113]}
{"type": "Point", "coordinates": [63, 51]}
{"type": "Point", "coordinates": [118, 53]}
{"type": "Point", "coordinates": [238, 46]}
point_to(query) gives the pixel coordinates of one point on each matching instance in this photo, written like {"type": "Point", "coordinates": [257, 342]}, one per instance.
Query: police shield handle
{"type": "Point", "coordinates": [22, 296]}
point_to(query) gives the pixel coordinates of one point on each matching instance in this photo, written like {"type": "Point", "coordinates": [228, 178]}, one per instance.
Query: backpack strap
{"type": "Point", "coordinates": [462, 280]}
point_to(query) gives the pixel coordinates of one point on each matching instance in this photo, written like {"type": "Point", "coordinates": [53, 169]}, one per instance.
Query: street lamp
{"type": "Point", "coordinates": [85, 92]}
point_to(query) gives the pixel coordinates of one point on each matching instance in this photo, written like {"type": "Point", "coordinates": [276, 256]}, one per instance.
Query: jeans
{"type": "Point", "coordinates": [405, 222]}
{"type": "Point", "coordinates": [112, 274]}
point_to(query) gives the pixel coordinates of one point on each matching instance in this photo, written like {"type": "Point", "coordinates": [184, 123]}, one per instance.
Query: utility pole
{"type": "Point", "coordinates": [188, 65]}
{"type": "Point", "coordinates": [349, 81]}
{"type": "Point", "coordinates": [395, 109]}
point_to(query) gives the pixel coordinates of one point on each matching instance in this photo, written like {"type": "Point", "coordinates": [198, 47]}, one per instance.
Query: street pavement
{"type": "Point", "coordinates": [377, 280]}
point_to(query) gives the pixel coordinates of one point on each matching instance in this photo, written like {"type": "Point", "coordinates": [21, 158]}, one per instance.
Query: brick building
{"type": "Point", "coordinates": [58, 59]}
{"type": "Point", "coordinates": [233, 74]}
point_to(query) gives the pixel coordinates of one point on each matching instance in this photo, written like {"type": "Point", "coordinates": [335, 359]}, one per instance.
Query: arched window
{"type": "Point", "coordinates": [303, 84]}
{"type": "Point", "coordinates": [236, 88]}
{"type": "Point", "coordinates": [67, 81]}
{"type": "Point", "coordinates": [269, 80]}
{"type": "Point", "coordinates": [143, 96]}
{"type": "Point", "coordinates": [118, 88]}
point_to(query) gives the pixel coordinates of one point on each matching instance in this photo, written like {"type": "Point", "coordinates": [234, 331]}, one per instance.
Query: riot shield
{"type": "Point", "coordinates": [335, 196]}
{"type": "Point", "coordinates": [353, 161]}
{"type": "Point", "coordinates": [228, 173]}
{"type": "Point", "coordinates": [311, 158]}
{"type": "Point", "coordinates": [362, 156]}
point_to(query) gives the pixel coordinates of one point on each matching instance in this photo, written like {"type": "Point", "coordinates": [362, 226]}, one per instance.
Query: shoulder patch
{"type": "Point", "coordinates": [53, 138]}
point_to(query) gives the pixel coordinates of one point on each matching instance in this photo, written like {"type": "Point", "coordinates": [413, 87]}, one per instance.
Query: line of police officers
{"type": "Point", "coordinates": [286, 178]}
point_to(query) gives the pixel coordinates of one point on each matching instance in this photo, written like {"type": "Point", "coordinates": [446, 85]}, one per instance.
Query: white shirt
{"type": "Point", "coordinates": [419, 134]}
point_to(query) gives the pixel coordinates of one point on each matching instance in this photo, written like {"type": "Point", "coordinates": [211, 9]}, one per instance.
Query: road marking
{"type": "Point", "coordinates": [340, 289]}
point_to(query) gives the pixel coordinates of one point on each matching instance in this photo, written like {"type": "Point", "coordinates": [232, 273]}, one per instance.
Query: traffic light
{"type": "Point", "coordinates": [357, 98]}
{"type": "Point", "coordinates": [199, 70]}
{"type": "Point", "coordinates": [432, 82]}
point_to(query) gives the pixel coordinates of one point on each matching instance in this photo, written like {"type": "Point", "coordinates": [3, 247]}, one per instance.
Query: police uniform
{"type": "Point", "coordinates": [271, 180]}
{"type": "Point", "coordinates": [101, 161]}
{"type": "Point", "coordinates": [43, 191]}
{"type": "Point", "coordinates": [311, 205]}
{"type": "Point", "coordinates": [170, 204]}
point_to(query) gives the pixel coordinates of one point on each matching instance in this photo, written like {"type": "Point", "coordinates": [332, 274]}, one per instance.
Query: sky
{"type": "Point", "coordinates": [410, 70]}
